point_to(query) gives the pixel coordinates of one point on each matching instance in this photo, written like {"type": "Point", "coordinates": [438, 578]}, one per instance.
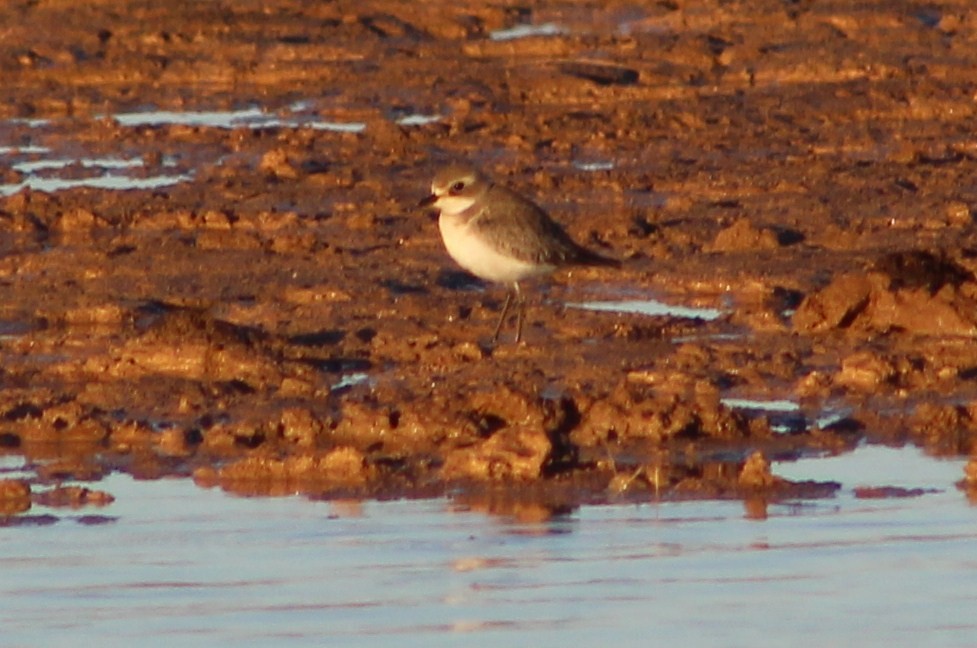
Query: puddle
{"type": "Point", "coordinates": [189, 565]}
{"type": "Point", "coordinates": [256, 117]}
{"type": "Point", "coordinates": [831, 416]}
{"type": "Point", "coordinates": [30, 123]}
{"type": "Point", "coordinates": [88, 163]}
{"type": "Point", "coordinates": [525, 31]}
{"type": "Point", "coordinates": [649, 307]}
{"type": "Point", "coordinates": [594, 166]}
{"type": "Point", "coordinates": [253, 117]}
{"type": "Point", "coordinates": [14, 467]}
{"type": "Point", "coordinates": [117, 173]}
{"type": "Point", "coordinates": [761, 405]}
{"type": "Point", "coordinates": [350, 380]}
{"type": "Point", "coordinates": [110, 172]}
{"type": "Point", "coordinates": [14, 329]}
{"type": "Point", "coordinates": [785, 415]}
{"type": "Point", "coordinates": [107, 181]}
{"type": "Point", "coordinates": [26, 149]}
{"type": "Point", "coordinates": [418, 120]}
{"type": "Point", "coordinates": [875, 465]}
{"type": "Point", "coordinates": [715, 337]}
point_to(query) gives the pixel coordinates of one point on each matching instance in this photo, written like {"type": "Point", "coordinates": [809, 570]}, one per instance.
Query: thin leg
{"type": "Point", "coordinates": [520, 311]}
{"type": "Point", "coordinates": [505, 311]}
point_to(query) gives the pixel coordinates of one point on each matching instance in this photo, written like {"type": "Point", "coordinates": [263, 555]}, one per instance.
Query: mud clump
{"type": "Point", "coordinates": [916, 292]}
{"type": "Point", "coordinates": [15, 496]}
{"type": "Point", "coordinates": [339, 469]}
{"type": "Point", "coordinates": [743, 235]}
{"type": "Point", "coordinates": [969, 482]}
{"type": "Point", "coordinates": [508, 455]}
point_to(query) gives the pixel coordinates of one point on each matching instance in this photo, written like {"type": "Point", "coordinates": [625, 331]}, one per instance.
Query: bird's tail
{"type": "Point", "coordinates": [589, 258]}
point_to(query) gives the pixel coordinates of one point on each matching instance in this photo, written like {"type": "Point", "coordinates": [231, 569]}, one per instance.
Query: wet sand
{"type": "Point", "coordinates": [212, 264]}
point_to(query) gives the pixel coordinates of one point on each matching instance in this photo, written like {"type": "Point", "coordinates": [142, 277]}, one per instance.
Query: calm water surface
{"type": "Point", "coordinates": [178, 565]}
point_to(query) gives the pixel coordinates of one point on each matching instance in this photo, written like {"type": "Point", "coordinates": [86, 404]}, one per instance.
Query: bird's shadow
{"type": "Point", "coordinates": [460, 280]}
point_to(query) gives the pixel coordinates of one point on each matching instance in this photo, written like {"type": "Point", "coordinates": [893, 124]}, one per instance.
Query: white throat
{"type": "Point", "coordinates": [454, 205]}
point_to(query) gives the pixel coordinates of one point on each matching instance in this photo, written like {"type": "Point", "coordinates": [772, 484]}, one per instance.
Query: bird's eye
{"type": "Point", "coordinates": [457, 187]}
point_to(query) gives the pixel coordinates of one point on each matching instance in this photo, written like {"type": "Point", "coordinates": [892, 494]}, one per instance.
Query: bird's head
{"type": "Point", "coordinates": [456, 188]}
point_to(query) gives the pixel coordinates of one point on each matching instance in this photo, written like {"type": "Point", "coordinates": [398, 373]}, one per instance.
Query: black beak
{"type": "Point", "coordinates": [427, 202]}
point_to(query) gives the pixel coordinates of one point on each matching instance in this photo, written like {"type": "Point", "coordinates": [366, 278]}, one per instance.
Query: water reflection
{"type": "Point", "coordinates": [200, 567]}
{"type": "Point", "coordinates": [521, 513]}
{"type": "Point", "coordinates": [346, 508]}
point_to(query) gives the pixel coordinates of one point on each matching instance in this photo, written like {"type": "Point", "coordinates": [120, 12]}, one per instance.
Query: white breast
{"type": "Point", "coordinates": [480, 258]}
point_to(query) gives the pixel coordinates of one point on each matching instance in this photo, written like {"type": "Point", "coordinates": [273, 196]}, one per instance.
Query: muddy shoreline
{"type": "Point", "coordinates": [211, 264]}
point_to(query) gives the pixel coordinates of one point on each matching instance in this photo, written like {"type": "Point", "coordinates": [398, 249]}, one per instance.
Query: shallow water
{"type": "Point", "coordinates": [526, 31]}
{"type": "Point", "coordinates": [42, 169]}
{"type": "Point", "coordinates": [173, 563]}
{"type": "Point", "coordinates": [100, 172]}
{"type": "Point", "coordinates": [651, 307]}
{"type": "Point", "coordinates": [252, 117]}
{"type": "Point", "coordinates": [786, 415]}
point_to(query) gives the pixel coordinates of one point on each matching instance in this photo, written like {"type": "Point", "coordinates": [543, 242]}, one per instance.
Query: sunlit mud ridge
{"type": "Point", "coordinates": [211, 264]}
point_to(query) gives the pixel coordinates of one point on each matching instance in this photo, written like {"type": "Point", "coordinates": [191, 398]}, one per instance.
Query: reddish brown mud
{"type": "Point", "coordinates": [277, 317]}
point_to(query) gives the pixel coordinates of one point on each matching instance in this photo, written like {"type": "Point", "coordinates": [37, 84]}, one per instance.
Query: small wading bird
{"type": "Point", "coordinates": [500, 236]}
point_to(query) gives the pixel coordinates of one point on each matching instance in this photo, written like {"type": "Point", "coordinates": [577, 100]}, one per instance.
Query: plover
{"type": "Point", "coordinates": [500, 236]}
